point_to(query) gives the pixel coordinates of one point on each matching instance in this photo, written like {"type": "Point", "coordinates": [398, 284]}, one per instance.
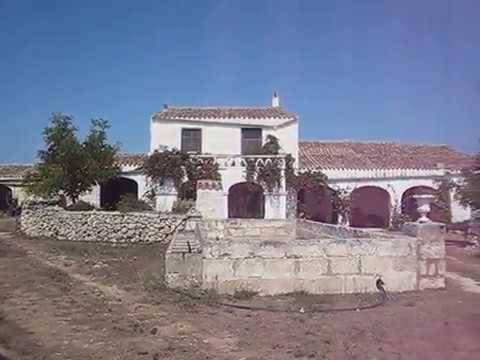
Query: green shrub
{"type": "Point", "coordinates": [80, 205]}
{"type": "Point", "coordinates": [182, 206]}
{"type": "Point", "coordinates": [398, 219]}
{"type": "Point", "coordinates": [130, 203]}
{"type": "Point", "coordinates": [150, 282]}
{"type": "Point", "coordinates": [244, 294]}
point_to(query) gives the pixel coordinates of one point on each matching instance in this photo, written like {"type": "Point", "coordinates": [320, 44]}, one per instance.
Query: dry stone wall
{"type": "Point", "coordinates": [100, 226]}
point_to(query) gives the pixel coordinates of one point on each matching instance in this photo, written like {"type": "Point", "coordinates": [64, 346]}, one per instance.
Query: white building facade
{"type": "Point", "coordinates": [231, 136]}
{"type": "Point", "coordinates": [381, 177]}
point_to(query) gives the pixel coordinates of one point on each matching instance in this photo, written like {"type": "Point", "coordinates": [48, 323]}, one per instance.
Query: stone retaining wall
{"type": "Point", "coordinates": [99, 226]}
{"type": "Point", "coordinates": [308, 229]}
{"type": "Point", "coordinates": [239, 229]}
{"type": "Point", "coordinates": [235, 256]}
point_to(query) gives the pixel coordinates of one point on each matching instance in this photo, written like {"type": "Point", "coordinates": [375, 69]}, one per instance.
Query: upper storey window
{"type": "Point", "coordinates": [192, 140]}
{"type": "Point", "coordinates": [251, 141]}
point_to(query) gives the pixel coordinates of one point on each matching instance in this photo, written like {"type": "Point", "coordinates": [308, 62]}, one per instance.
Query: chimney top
{"type": "Point", "coordinates": [275, 100]}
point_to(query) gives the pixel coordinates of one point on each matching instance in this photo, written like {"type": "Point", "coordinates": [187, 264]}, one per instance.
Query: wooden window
{"type": "Point", "coordinates": [251, 141]}
{"type": "Point", "coordinates": [192, 140]}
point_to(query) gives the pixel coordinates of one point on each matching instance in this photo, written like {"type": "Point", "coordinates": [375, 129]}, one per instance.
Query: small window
{"type": "Point", "coordinates": [192, 140]}
{"type": "Point", "coordinates": [251, 141]}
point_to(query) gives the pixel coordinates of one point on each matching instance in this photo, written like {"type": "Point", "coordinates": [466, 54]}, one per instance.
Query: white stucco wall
{"type": "Point", "coordinates": [395, 182]}
{"type": "Point", "coordinates": [224, 139]}
{"type": "Point", "coordinates": [128, 172]}
{"type": "Point", "coordinates": [219, 138]}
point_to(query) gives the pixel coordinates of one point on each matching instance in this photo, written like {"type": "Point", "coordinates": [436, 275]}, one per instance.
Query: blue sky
{"type": "Point", "coordinates": [405, 71]}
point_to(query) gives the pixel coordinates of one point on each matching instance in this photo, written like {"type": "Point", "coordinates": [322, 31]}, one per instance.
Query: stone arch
{"type": "Point", "coordinates": [246, 200]}
{"type": "Point", "coordinates": [6, 196]}
{"type": "Point", "coordinates": [317, 204]}
{"type": "Point", "coordinates": [112, 190]}
{"type": "Point", "coordinates": [409, 204]}
{"type": "Point", "coordinates": [370, 207]}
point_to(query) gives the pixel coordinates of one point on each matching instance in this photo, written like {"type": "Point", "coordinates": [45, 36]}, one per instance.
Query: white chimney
{"type": "Point", "coordinates": [275, 100]}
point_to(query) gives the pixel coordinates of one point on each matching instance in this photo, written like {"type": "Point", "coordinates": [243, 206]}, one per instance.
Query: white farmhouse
{"type": "Point", "coordinates": [380, 176]}
{"type": "Point", "coordinates": [230, 136]}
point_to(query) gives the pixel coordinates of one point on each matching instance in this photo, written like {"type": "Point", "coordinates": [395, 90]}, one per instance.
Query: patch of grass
{"type": "Point", "coordinates": [244, 294]}
{"type": "Point", "coordinates": [82, 249]}
{"type": "Point", "coordinates": [151, 282]}
{"type": "Point", "coordinates": [300, 293]}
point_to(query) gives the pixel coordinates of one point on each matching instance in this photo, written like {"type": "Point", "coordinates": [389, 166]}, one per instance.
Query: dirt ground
{"type": "Point", "coordinates": [60, 300]}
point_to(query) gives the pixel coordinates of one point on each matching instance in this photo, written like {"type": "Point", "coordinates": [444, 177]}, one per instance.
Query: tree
{"type": "Point", "coordinates": [68, 166]}
{"type": "Point", "coordinates": [468, 190]}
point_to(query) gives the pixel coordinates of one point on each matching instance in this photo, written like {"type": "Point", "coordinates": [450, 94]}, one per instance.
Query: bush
{"type": "Point", "coordinates": [182, 206]}
{"type": "Point", "coordinates": [398, 219]}
{"type": "Point", "coordinates": [80, 206]}
{"type": "Point", "coordinates": [130, 203]}
{"type": "Point", "coordinates": [244, 294]}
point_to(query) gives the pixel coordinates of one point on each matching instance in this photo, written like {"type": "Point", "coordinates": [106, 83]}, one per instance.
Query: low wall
{"type": "Point", "coordinates": [8, 224]}
{"type": "Point", "coordinates": [268, 257]}
{"type": "Point", "coordinates": [308, 229]}
{"type": "Point", "coordinates": [99, 226]}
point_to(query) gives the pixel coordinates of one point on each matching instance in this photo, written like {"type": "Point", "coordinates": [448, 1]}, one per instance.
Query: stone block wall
{"type": "Point", "coordinates": [308, 229]}
{"type": "Point", "coordinates": [248, 229]}
{"type": "Point", "coordinates": [269, 258]}
{"type": "Point", "coordinates": [317, 266]}
{"type": "Point", "coordinates": [100, 226]}
{"type": "Point", "coordinates": [431, 253]}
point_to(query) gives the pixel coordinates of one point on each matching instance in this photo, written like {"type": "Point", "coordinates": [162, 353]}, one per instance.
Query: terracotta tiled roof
{"type": "Point", "coordinates": [14, 170]}
{"type": "Point", "coordinates": [8, 171]}
{"type": "Point", "coordinates": [378, 155]}
{"type": "Point", "coordinates": [255, 116]}
{"type": "Point", "coordinates": [130, 159]}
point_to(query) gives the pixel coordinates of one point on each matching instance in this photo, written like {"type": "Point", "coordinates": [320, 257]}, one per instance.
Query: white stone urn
{"type": "Point", "coordinates": [423, 206]}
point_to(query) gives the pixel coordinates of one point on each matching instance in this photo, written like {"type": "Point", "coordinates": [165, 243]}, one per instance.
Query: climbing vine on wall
{"type": "Point", "coordinates": [182, 168]}
{"type": "Point", "coordinates": [442, 201]}
{"type": "Point", "coordinates": [269, 173]}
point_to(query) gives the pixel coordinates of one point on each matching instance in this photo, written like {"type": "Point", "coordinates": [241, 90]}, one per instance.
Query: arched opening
{"type": "Point", "coordinates": [370, 207]}
{"type": "Point", "coordinates": [5, 197]}
{"type": "Point", "coordinates": [317, 204]}
{"type": "Point", "coordinates": [112, 191]}
{"type": "Point", "coordinates": [246, 200]}
{"type": "Point", "coordinates": [439, 210]}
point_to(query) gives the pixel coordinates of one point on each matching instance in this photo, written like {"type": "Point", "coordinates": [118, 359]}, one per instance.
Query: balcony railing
{"type": "Point", "coordinates": [227, 161]}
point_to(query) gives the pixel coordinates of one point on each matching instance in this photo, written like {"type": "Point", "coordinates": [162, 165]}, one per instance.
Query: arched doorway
{"type": "Point", "coordinates": [246, 200]}
{"type": "Point", "coordinates": [370, 207]}
{"type": "Point", "coordinates": [439, 211]}
{"type": "Point", "coordinates": [5, 197]}
{"type": "Point", "coordinates": [112, 191]}
{"type": "Point", "coordinates": [317, 204]}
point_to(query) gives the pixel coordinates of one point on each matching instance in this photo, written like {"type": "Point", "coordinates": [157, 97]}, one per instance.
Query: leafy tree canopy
{"type": "Point", "coordinates": [68, 166]}
{"type": "Point", "coordinates": [468, 191]}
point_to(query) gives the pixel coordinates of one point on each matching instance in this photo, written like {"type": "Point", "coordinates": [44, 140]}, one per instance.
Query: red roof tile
{"type": "Point", "coordinates": [14, 170]}
{"type": "Point", "coordinates": [130, 159]}
{"type": "Point", "coordinates": [378, 155]}
{"type": "Point", "coordinates": [260, 116]}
